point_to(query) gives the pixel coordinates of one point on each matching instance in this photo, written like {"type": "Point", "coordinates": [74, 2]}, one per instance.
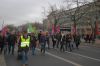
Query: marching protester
{"type": "Point", "coordinates": [43, 42]}
{"type": "Point", "coordinates": [77, 40]}
{"type": "Point", "coordinates": [11, 42]}
{"type": "Point", "coordinates": [33, 41]}
{"type": "Point", "coordinates": [63, 40]}
{"type": "Point", "coordinates": [1, 42]}
{"type": "Point", "coordinates": [6, 43]}
{"type": "Point", "coordinates": [68, 42]}
{"type": "Point", "coordinates": [19, 52]}
{"type": "Point", "coordinates": [54, 40]}
{"type": "Point", "coordinates": [87, 38]}
{"type": "Point", "coordinates": [24, 46]}
{"type": "Point", "coordinates": [47, 40]}
{"type": "Point", "coordinates": [58, 39]}
{"type": "Point", "coordinates": [39, 35]}
{"type": "Point", "coordinates": [72, 42]}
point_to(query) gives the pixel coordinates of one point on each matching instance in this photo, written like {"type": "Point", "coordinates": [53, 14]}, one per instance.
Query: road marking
{"type": "Point", "coordinates": [83, 56]}
{"type": "Point", "coordinates": [2, 60]}
{"type": "Point", "coordinates": [60, 58]}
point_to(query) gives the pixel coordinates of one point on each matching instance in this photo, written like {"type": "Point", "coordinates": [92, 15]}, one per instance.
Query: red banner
{"type": "Point", "coordinates": [53, 29]}
{"type": "Point", "coordinates": [4, 30]}
{"type": "Point", "coordinates": [57, 29]}
{"type": "Point", "coordinates": [73, 29]}
{"type": "Point", "coordinates": [97, 29]}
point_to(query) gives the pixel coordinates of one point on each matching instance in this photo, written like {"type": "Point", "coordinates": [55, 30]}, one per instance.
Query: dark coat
{"type": "Point", "coordinates": [59, 37]}
{"type": "Point", "coordinates": [33, 41]}
{"type": "Point", "coordinates": [39, 35]}
{"type": "Point", "coordinates": [42, 39]}
{"type": "Point", "coordinates": [1, 40]}
{"type": "Point", "coordinates": [12, 39]}
{"type": "Point", "coordinates": [77, 39]}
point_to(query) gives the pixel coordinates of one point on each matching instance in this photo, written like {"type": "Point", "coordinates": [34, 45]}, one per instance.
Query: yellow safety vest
{"type": "Point", "coordinates": [25, 42]}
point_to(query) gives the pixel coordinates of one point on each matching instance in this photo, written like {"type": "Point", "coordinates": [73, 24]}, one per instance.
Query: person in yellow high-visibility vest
{"type": "Point", "coordinates": [25, 42]}
{"type": "Point", "coordinates": [24, 45]}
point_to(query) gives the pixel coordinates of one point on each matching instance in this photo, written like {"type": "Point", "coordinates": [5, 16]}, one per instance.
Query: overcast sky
{"type": "Point", "coordinates": [18, 12]}
{"type": "Point", "coordinates": [21, 11]}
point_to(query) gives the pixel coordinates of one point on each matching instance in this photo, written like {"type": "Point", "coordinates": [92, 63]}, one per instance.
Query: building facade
{"type": "Point", "coordinates": [85, 17]}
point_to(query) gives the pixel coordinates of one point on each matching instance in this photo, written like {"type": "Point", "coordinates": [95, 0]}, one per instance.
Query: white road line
{"type": "Point", "coordinates": [60, 58]}
{"type": "Point", "coordinates": [2, 61]}
{"type": "Point", "coordinates": [83, 56]}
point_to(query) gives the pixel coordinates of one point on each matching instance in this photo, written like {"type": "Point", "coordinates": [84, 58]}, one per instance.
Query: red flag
{"type": "Point", "coordinates": [53, 29]}
{"type": "Point", "coordinates": [97, 29]}
{"type": "Point", "coordinates": [57, 28]}
{"type": "Point", "coordinates": [4, 30]}
{"type": "Point", "coordinates": [73, 29]}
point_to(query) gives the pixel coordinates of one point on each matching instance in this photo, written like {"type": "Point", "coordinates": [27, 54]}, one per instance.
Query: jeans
{"type": "Point", "coordinates": [24, 57]}
{"type": "Point", "coordinates": [5, 49]}
{"type": "Point", "coordinates": [54, 43]}
{"type": "Point", "coordinates": [33, 50]}
{"type": "Point", "coordinates": [68, 45]}
{"type": "Point", "coordinates": [42, 47]}
{"type": "Point", "coordinates": [58, 42]}
{"type": "Point", "coordinates": [47, 42]}
{"type": "Point", "coordinates": [11, 48]}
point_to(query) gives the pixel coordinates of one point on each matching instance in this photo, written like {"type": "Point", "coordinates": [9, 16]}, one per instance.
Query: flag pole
{"type": "Point", "coordinates": [2, 24]}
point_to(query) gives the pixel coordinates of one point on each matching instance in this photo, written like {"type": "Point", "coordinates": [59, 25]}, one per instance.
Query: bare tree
{"type": "Point", "coordinates": [76, 9]}
{"type": "Point", "coordinates": [52, 15]}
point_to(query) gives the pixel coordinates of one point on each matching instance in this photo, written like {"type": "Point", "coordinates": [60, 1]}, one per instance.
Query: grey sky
{"type": "Point", "coordinates": [18, 12]}
{"type": "Point", "coordinates": [21, 11]}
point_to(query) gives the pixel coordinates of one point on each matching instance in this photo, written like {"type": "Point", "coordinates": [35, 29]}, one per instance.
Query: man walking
{"type": "Point", "coordinates": [33, 42]}
{"type": "Point", "coordinates": [77, 40]}
{"type": "Point", "coordinates": [42, 42]}
{"type": "Point", "coordinates": [1, 42]}
{"type": "Point", "coordinates": [11, 42]}
{"type": "Point", "coordinates": [47, 40]}
{"type": "Point", "coordinates": [24, 46]}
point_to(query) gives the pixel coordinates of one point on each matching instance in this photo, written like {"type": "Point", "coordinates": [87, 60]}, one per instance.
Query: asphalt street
{"type": "Point", "coordinates": [85, 56]}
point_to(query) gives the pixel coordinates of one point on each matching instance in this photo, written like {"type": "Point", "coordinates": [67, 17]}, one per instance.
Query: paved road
{"type": "Point", "coordinates": [85, 56]}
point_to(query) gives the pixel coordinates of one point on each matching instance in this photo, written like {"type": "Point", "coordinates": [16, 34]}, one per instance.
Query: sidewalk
{"type": "Point", "coordinates": [96, 44]}
{"type": "Point", "coordinates": [2, 60]}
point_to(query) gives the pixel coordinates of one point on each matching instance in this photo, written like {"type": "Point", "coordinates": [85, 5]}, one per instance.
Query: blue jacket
{"type": "Point", "coordinates": [42, 39]}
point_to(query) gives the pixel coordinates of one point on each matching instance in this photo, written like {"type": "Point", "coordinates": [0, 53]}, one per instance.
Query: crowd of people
{"type": "Point", "coordinates": [29, 41]}
{"type": "Point", "coordinates": [7, 42]}
{"type": "Point", "coordinates": [66, 41]}
{"type": "Point", "coordinates": [89, 38]}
